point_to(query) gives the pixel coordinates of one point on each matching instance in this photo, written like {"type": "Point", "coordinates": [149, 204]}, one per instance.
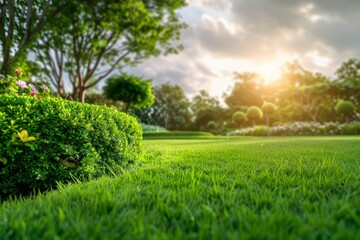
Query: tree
{"type": "Point", "coordinates": [294, 74]}
{"type": "Point", "coordinates": [245, 90]}
{"type": "Point", "coordinates": [171, 109]}
{"type": "Point", "coordinates": [304, 95]}
{"type": "Point", "coordinates": [131, 90]}
{"type": "Point", "coordinates": [312, 99]}
{"type": "Point", "coordinates": [268, 109]}
{"type": "Point", "coordinates": [20, 24]}
{"type": "Point", "coordinates": [95, 38]}
{"type": "Point", "coordinates": [101, 99]}
{"type": "Point", "coordinates": [211, 125]}
{"type": "Point", "coordinates": [205, 108]}
{"type": "Point", "coordinates": [349, 71]}
{"type": "Point", "coordinates": [346, 109]}
{"type": "Point", "coordinates": [347, 84]}
{"type": "Point", "coordinates": [239, 118]}
{"type": "Point", "coordinates": [254, 114]}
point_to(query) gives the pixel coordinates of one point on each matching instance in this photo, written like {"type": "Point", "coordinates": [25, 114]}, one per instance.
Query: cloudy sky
{"type": "Point", "coordinates": [225, 36]}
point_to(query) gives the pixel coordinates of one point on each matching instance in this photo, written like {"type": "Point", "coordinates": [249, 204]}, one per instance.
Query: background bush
{"type": "Point", "coordinates": [346, 109]}
{"type": "Point", "coordinates": [239, 118]}
{"type": "Point", "coordinates": [152, 128]}
{"type": "Point", "coordinates": [301, 129]}
{"type": "Point", "coordinates": [211, 125]}
{"type": "Point", "coordinates": [72, 141]}
{"type": "Point", "coordinates": [254, 113]}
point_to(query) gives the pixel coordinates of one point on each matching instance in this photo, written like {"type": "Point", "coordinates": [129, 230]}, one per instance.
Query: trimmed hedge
{"type": "Point", "coordinates": [72, 141]}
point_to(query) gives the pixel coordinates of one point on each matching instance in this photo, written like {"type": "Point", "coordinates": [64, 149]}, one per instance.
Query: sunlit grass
{"type": "Point", "coordinates": [216, 188]}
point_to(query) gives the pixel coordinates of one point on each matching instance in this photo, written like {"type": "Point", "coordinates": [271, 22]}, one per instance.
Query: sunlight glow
{"type": "Point", "coordinates": [268, 69]}
{"type": "Point", "coordinates": [270, 73]}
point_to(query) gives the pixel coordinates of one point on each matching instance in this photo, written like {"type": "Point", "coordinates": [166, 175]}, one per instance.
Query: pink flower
{"type": "Point", "coordinates": [33, 88]}
{"type": "Point", "coordinates": [17, 71]}
{"type": "Point", "coordinates": [21, 84]}
{"type": "Point", "coordinates": [44, 87]}
{"type": "Point", "coordinates": [32, 94]}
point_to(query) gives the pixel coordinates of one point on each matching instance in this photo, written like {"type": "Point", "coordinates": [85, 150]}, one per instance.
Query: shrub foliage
{"type": "Point", "coordinates": [345, 108]}
{"type": "Point", "coordinates": [301, 129]}
{"type": "Point", "coordinates": [254, 113]}
{"type": "Point", "coordinates": [131, 90]}
{"type": "Point", "coordinates": [53, 140]}
{"type": "Point", "coordinates": [239, 118]}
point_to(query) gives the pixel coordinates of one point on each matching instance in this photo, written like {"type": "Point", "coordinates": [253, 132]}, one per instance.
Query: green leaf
{"type": "Point", "coordinates": [3, 160]}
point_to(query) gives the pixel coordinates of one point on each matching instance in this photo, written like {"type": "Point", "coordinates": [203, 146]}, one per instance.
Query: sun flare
{"type": "Point", "coordinates": [270, 73]}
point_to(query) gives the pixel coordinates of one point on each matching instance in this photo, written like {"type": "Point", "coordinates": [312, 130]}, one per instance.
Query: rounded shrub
{"type": "Point", "coordinates": [53, 140]}
{"type": "Point", "coordinates": [268, 108]}
{"type": "Point", "coordinates": [131, 90]}
{"type": "Point", "coordinates": [254, 113]}
{"type": "Point", "coordinates": [211, 125]}
{"type": "Point", "coordinates": [345, 108]}
{"type": "Point", "coordinates": [239, 118]}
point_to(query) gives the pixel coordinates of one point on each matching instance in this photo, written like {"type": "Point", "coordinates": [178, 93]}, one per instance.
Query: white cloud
{"type": "Point", "coordinates": [318, 60]}
{"type": "Point", "coordinates": [258, 35]}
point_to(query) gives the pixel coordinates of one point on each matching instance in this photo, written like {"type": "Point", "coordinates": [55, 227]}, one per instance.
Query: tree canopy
{"type": "Point", "coordinates": [131, 90]}
{"type": "Point", "coordinates": [245, 90]}
{"type": "Point", "coordinates": [96, 38]}
{"type": "Point", "coordinates": [171, 109]}
{"type": "Point", "coordinates": [20, 24]}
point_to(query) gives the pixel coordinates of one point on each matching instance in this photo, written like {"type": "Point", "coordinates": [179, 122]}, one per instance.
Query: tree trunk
{"type": "Point", "coordinates": [82, 95]}
{"type": "Point", "coordinates": [5, 68]}
{"type": "Point", "coordinates": [267, 120]}
{"type": "Point", "coordinates": [61, 92]}
{"type": "Point", "coordinates": [314, 118]}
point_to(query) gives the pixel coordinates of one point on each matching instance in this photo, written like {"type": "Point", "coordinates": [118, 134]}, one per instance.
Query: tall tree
{"type": "Point", "coordinates": [303, 94]}
{"type": "Point", "coordinates": [20, 24]}
{"type": "Point", "coordinates": [245, 90]}
{"type": "Point", "coordinates": [96, 38]}
{"type": "Point", "coordinates": [294, 74]}
{"type": "Point", "coordinates": [205, 109]}
{"type": "Point", "coordinates": [171, 109]}
{"type": "Point", "coordinates": [347, 84]}
{"type": "Point", "coordinates": [311, 99]}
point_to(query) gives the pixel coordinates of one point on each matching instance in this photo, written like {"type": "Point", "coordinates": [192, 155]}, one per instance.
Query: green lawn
{"type": "Point", "coordinates": [211, 188]}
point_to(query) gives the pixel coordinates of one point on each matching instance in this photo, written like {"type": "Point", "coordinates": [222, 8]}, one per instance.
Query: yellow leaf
{"type": "Point", "coordinates": [29, 139]}
{"type": "Point", "coordinates": [23, 135]}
